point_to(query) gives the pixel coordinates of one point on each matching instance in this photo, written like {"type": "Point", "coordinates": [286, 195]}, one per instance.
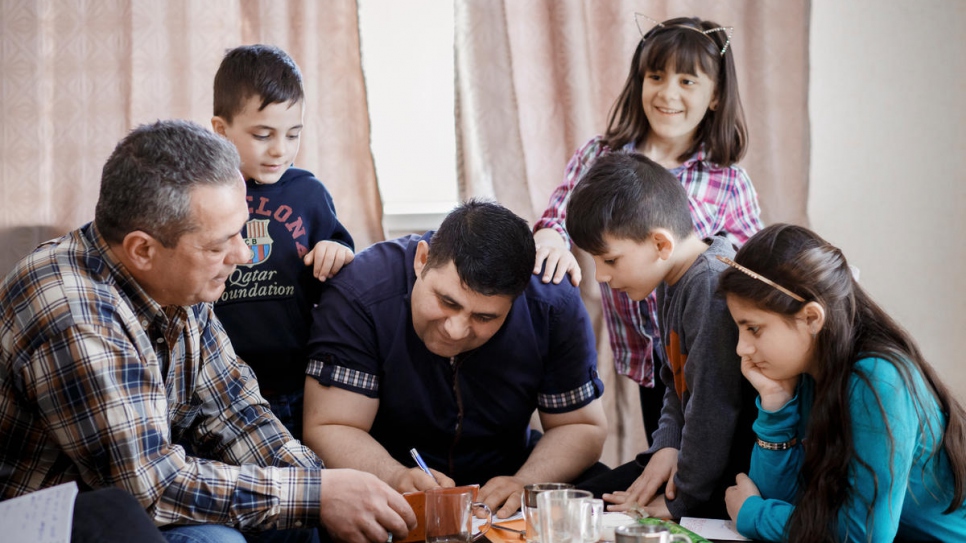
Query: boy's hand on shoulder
{"type": "Point", "coordinates": [327, 258]}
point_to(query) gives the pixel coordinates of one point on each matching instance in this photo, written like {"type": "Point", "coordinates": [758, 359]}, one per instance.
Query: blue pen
{"type": "Point", "coordinates": [422, 465]}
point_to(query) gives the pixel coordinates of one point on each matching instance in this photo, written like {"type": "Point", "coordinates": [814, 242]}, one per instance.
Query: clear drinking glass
{"type": "Point", "coordinates": [587, 517]}
{"type": "Point", "coordinates": [556, 516]}
{"type": "Point", "coordinates": [528, 506]}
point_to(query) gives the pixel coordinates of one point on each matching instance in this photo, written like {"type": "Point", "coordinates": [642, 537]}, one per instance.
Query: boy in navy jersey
{"type": "Point", "coordinates": [296, 240]}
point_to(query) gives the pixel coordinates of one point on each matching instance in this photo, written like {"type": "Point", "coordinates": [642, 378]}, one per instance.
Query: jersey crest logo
{"type": "Point", "coordinates": [258, 240]}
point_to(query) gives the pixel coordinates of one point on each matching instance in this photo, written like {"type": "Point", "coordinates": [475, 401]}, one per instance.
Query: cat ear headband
{"type": "Point", "coordinates": [728, 30]}
{"type": "Point", "coordinates": [763, 279]}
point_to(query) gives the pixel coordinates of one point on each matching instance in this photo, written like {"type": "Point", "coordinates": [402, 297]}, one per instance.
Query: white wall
{"type": "Point", "coordinates": [887, 100]}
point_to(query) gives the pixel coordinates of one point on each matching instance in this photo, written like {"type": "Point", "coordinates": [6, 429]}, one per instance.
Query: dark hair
{"type": "Point", "coordinates": [855, 327]}
{"type": "Point", "coordinates": [492, 248]}
{"type": "Point", "coordinates": [681, 44]}
{"type": "Point", "coordinates": [147, 181]}
{"type": "Point", "coordinates": [626, 196]}
{"type": "Point", "coordinates": [255, 70]}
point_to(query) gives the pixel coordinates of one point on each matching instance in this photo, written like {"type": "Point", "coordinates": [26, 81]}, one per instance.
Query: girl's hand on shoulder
{"type": "Point", "coordinates": [555, 263]}
{"type": "Point", "coordinates": [553, 258]}
{"type": "Point", "coordinates": [774, 393]}
{"type": "Point", "coordinates": [736, 495]}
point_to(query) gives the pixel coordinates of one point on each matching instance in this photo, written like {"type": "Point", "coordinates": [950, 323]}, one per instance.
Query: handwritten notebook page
{"type": "Point", "coordinates": [43, 516]}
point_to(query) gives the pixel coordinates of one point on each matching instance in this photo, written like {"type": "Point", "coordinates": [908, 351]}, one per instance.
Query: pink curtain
{"type": "Point", "coordinates": [536, 79]}
{"type": "Point", "coordinates": [78, 75]}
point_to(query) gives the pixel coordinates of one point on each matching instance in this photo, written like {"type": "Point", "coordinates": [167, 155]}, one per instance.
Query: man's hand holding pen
{"type": "Point", "coordinates": [419, 478]}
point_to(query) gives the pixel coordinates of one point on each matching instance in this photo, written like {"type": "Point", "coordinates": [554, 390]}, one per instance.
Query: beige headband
{"type": "Point", "coordinates": [763, 279]}
{"type": "Point", "coordinates": [728, 30]}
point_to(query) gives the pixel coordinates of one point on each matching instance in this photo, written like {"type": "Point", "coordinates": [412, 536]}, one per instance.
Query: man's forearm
{"type": "Point", "coordinates": [348, 447]}
{"type": "Point", "coordinates": [563, 453]}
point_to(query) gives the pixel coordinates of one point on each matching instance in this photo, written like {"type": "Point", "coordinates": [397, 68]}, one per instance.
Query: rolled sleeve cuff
{"type": "Point", "coordinates": [663, 444]}
{"type": "Point", "coordinates": [571, 400]}
{"type": "Point", "coordinates": [777, 426]}
{"type": "Point", "coordinates": [667, 435]}
{"type": "Point", "coordinates": [303, 499]}
{"type": "Point", "coordinates": [327, 373]}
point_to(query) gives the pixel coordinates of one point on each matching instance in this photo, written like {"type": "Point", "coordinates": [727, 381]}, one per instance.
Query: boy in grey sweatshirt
{"type": "Point", "coordinates": [632, 215]}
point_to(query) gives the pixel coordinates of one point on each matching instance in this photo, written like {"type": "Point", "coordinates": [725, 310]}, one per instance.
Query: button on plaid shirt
{"type": "Point", "coordinates": [98, 383]}
{"type": "Point", "coordinates": [722, 200]}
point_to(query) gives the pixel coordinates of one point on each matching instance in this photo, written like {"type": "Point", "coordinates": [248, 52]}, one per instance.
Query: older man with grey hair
{"type": "Point", "coordinates": [114, 371]}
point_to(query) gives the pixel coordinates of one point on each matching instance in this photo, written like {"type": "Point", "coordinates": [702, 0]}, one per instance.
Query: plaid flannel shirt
{"type": "Point", "coordinates": [722, 200]}
{"type": "Point", "coordinates": [98, 384]}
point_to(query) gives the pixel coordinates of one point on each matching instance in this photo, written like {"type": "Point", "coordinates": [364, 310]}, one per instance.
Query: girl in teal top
{"type": "Point", "coordinates": [858, 440]}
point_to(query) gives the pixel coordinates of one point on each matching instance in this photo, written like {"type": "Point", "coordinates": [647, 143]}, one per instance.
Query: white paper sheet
{"type": "Point", "coordinates": [709, 528]}
{"type": "Point", "coordinates": [39, 517]}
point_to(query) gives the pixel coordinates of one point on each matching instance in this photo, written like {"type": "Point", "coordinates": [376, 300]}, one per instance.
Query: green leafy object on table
{"type": "Point", "coordinates": [674, 528]}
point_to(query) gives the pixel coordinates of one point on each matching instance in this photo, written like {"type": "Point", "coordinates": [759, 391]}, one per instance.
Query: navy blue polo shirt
{"type": "Point", "coordinates": [469, 416]}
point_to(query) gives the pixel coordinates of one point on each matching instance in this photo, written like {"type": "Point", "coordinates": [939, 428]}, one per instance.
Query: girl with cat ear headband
{"type": "Point", "coordinates": [680, 107]}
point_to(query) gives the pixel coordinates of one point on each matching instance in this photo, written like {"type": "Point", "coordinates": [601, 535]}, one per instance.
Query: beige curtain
{"type": "Point", "coordinates": [77, 75]}
{"type": "Point", "coordinates": [536, 79]}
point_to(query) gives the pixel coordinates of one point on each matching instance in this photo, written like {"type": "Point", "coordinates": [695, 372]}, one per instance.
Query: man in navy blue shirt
{"type": "Point", "coordinates": [447, 343]}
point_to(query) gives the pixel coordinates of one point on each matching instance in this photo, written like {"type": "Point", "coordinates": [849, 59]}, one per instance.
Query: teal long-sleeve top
{"type": "Point", "coordinates": [915, 486]}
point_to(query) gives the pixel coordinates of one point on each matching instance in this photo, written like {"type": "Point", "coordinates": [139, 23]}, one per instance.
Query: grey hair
{"type": "Point", "coordinates": [146, 183]}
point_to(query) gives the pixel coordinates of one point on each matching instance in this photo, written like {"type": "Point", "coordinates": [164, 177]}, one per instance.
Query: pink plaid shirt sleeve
{"type": "Point", "coordinates": [555, 214]}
